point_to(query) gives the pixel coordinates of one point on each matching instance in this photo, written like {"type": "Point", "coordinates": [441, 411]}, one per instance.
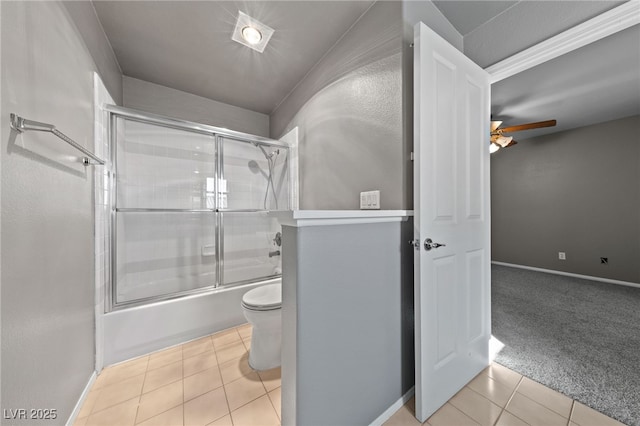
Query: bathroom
{"type": "Point", "coordinates": [335, 129]}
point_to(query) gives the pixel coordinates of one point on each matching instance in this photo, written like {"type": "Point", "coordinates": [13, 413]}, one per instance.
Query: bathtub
{"type": "Point", "coordinates": [137, 331]}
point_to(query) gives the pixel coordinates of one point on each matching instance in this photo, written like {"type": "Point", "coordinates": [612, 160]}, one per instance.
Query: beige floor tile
{"type": "Point", "coordinates": [258, 412]}
{"type": "Point", "coordinates": [541, 394]}
{"type": "Point", "coordinates": [586, 416]}
{"type": "Point", "coordinates": [159, 400]}
{"type": "Point", "coordinates": [244, 390]}
{"type": "Point", "coordinates": [162, 376]}
{"type": "Point", "coordinates": [202, 382]}
{"type": "Point", "coordinates": [405, 416]}
{"type": "Point", "coordinates": [120, 372]}
{"type": "Point", "coordinates": [160, 359]}
{"type": "Point", "coordinates": [276, 399]}
{"type": "Point", "coordinates": [532, 412]}
{"type": "Point", "coordinates": [449, 415]}
{"type": "Point", "coordinates": [491, 389]}
{"type": "Point", "coordinates": [199, 362]}
{"type": "Point", "coordinates": [225, 338]}
{"type": "Point", "coordinates": [119, 392]}
{"type": "Point", "coordinates": [247, 343]}
{"type": "Point", "coordinates": [196, 347]}
{"type": "Point", "coordinates": [89, 402]}
{"type": "Point", "coordinates": [270, 378]}
{"type": "Point", "coordinates": [508, 419]}
{"type": "Point", "coordinates": [476, 406]}
{"type": "Point", "coordinates": [123, 414]}
{"type": "Point", "coordinates": [245, 331]}
{"type": "Point", "coordinates": [173, 417]}
{"type": "Point", "coordinates": [503, 375]}
{"type": "Point", "coordinates": [224, 421]}
{"type": "Point", "coordinates": [169, 350]}
{"type": "Point", "coordinates": [206, 408]}
{"type": "Point", "coordinates": [236, 368]}
{"type": "Point", "coordinates": [80, 421]}
{"type": "Point", "coordinates": [230, 352]}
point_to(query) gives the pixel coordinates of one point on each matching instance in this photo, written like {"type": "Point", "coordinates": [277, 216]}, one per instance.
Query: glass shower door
{"type": "Point", "coordinates": [165, 213]}
{"type": "Point", "coordinates": [255, 180]}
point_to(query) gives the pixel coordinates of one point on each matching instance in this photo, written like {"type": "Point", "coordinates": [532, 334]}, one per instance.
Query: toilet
{"type": "Point", "coordinates": [262, 308]}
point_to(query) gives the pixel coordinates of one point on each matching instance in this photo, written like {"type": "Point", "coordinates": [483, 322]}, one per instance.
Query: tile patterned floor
{"type": "Point", "coordinates": [208, 381]}
{"type": "Point", "coordinates": [502, 397]}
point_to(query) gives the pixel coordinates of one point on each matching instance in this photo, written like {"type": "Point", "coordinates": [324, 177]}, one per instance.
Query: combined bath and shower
{"type": "Point", "coordinates": [271, 161]}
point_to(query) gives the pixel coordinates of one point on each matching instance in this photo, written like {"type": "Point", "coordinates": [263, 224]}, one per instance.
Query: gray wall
{"type": "Point", "coordinates": [47, 215]}
{"type": "Point", "coordinates": [157, 99]}
{"type": "Point", "coordinates": [348, 110]}
{"type": "Point", "coordinates": [348, 349]}
{"type": "Point", "coordinates": [95, 40]}
{"type": "Point", "coordinates": [354, 109]}
{"type": "Point", "coordinates": [576, 191]}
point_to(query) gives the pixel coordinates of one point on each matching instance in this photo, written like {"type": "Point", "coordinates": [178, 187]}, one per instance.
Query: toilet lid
{"type": "Point", "coordinates": [263, 298]}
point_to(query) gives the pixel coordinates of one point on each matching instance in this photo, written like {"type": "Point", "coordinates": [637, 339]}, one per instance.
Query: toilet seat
{"type": "Point", "coordinates": [264, 298]}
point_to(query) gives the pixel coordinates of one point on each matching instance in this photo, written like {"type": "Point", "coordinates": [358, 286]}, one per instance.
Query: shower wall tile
{"type": "Point", "coordinates": [164, 253]}
{"type": "Point", "coordinates": [163, 168]}
{"type": "Point", "coordinates": [246, 170]}
{"type": "Point", "coordinates": [248, 239]}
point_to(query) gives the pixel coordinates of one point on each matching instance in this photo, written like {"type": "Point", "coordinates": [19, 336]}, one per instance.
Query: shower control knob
{"type": "Point", "coordinates": [429, 244]}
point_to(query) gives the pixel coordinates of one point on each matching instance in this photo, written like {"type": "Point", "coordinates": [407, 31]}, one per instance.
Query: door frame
{"type": "Point", "coordinates": [608, 23]}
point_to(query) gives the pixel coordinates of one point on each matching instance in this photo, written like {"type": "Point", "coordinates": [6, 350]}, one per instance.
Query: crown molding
{"type": "Point", "coordinates": [603, 25]}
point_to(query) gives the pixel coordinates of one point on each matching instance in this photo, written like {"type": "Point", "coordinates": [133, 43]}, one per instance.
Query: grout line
{"type": "Point", "coordinates": [274, 406]}
{"type": "Point", "coordinates": [573, 407]}
{"type": "Point", "coordinates": [513, 394]}
{"type": "Point", "coordinates": [183, 394]}
{"type": "Point", "coordinates": [224, 389]}
{"type": "Point", "coordinates": [498, 418]}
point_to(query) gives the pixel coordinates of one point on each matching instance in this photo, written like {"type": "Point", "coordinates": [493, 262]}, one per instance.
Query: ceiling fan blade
{"type": "Point", "coordinates": [495, 125]}
{"type": "Point", "coordinates": [511, 143]}
{"type": "Point", "coordinates": [529, 126]}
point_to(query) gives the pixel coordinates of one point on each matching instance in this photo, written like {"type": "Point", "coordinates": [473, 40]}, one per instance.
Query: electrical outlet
{"type": "Point", "coordinates": [604, 260]}
{"type": "Point", "coordinates": [562, 255]}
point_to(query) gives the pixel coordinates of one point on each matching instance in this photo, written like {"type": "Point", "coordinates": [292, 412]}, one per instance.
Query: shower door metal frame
{"type": "Point", "coordinates": [218, 134]}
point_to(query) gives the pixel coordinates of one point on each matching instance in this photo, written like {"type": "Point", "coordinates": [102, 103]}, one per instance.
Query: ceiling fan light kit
{"type": "Point", "coordinates": [498, 140]}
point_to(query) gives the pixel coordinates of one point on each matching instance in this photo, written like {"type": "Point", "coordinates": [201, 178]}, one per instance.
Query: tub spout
{"type": "Point", "coordinates": [274, 253]}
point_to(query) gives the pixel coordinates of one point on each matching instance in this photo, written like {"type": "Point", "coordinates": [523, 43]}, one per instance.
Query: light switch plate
{"type": "Point", "coordinates": [370, 200]}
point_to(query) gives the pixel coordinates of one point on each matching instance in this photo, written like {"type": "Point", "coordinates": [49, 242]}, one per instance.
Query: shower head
{"type": "Point", "coordinates": [255, 168]}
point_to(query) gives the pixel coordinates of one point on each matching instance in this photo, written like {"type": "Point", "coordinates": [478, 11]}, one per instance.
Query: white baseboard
{"type": "Point", "coordinates": [83, 396]}
{"type": "Point", "coordinates": [394, 407]}
{"type": "Point", "coordinates": [569, 274]}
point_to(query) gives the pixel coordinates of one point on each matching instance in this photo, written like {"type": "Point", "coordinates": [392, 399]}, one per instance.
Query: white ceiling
{"type": "Point", "coordinates": [187, 45]}
{"type": "Point", "coordinates": [596, 83]}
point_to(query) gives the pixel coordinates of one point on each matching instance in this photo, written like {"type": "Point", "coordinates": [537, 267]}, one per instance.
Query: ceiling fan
{"type": "Point", "coordinates": [499, 140]}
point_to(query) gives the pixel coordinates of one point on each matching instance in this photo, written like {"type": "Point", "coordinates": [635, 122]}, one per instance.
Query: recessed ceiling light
{"type": "Point", "coordinates": [251, 32]}
{"type": "Point", "coordinates": [251, 35]}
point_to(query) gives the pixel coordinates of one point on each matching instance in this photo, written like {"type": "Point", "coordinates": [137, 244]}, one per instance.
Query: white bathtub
{"type": "Point", "coordinates": [137, 331]}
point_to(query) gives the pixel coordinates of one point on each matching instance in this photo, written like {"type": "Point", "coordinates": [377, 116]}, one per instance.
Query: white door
{"type": "Point", "coordinates": [451, 203]}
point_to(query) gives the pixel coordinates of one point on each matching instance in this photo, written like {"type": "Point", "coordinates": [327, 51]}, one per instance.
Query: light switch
{"type": "Point", "coordinates": [370, 200]}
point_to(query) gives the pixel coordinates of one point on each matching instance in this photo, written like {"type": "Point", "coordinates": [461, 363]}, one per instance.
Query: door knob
{"type": "Point", "coordinates": [415, 244]}
{"type": "Point", "coordinates": [429, 244]}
